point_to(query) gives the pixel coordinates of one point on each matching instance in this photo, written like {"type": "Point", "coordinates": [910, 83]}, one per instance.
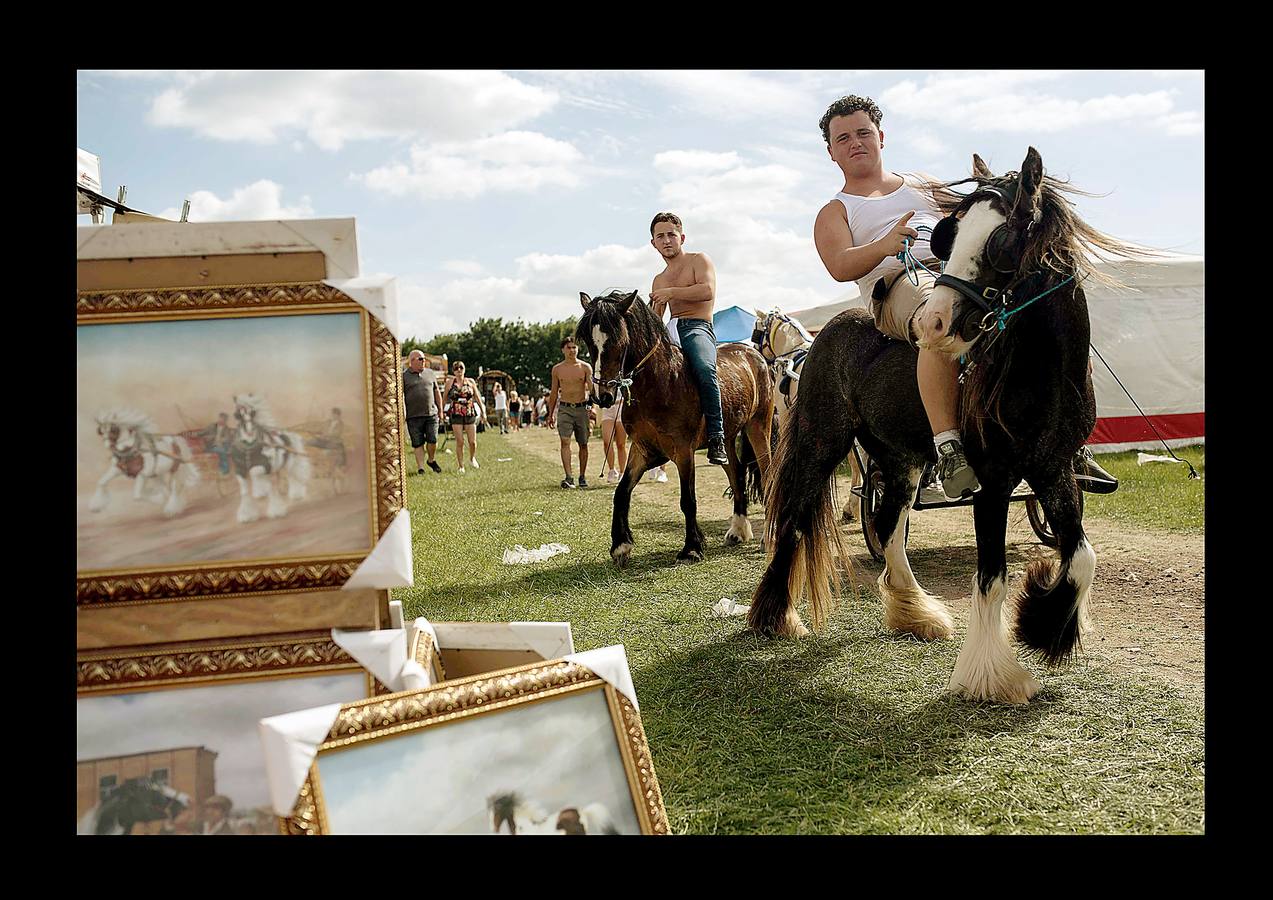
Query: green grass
{"type": "Point", "coordinates": [848, 732]}
{"type": "Point", "coordinates": [1155, 495]}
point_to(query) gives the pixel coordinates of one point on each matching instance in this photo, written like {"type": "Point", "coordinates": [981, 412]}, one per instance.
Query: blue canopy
{"type": "Point", "coordinates": [733, 324]}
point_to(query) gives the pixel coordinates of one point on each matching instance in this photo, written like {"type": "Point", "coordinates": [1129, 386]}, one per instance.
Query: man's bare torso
{"type": "Point", "coordinates": [572, 381]}
{"type": "Point", "coordinates": [681, 273]}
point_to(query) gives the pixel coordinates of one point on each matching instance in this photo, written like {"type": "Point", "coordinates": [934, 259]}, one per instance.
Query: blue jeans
{"type": "Point", "coordinates": [698, 342]}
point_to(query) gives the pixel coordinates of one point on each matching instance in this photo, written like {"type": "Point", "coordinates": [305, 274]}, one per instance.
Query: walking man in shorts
{"type": "Point", "coordinates": [420, 388]}
{"type": "Point", "coordinates": [568, 402]}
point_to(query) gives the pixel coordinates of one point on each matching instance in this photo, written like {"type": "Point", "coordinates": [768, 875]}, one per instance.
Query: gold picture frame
{"type": "Point", "coordinates": [103, 581]}
{"type": "Point", "coordinates": [540, 691]}
{"type": "Point", "coordinates": [190, 711]}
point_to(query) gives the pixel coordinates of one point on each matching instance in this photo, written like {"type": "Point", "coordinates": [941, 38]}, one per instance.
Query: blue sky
{"type": "Point", "coordinates": [506, 193]}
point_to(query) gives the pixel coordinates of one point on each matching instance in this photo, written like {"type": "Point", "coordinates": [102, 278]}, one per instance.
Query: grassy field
{"type": "Point", "coordinates": [1155, 495]}
{"type": "Point", "coordinates": [846, 733]}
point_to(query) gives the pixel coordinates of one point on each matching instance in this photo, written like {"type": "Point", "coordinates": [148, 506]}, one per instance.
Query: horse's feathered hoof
{"type": "Point", "coordinates": [689, 556]}
{"type": "Point", "coordinates": [622, 555]}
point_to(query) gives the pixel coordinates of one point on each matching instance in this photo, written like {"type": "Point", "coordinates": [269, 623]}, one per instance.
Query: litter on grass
{"type": "Point", "coordinates": [1142, 458]}
{"type": "Point", "coordinates": [519, 555]}
{"type": "Point", "coordinates": [503, 459]}
{"type": "Point", "coordinates": [725, 607]}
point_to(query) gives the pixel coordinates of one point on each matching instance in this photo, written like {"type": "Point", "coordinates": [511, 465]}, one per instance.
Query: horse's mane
{"type": "Point", "coordinates": [639, 326]}
{"type": "Point", "coordinates": [128, 418]}
{"type": "Point", "coordinates": [1061, 242]}
{"type": "Point", "coordinates": [252, 401]}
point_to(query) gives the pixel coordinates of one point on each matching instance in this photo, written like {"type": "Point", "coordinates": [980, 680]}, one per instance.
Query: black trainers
{"type": "Point", "coordinates": [716, 451]}
{"type": "Point", "coordinates": [957, 477]}
{"type": "Point", "coordinates": [1090, 476]}
{"type": "Point", "coordinates": [568, 482]}
{"type": "Point", "coordinates": [583, 482]}
{"type": "Point", "coordinates": [433, 464]}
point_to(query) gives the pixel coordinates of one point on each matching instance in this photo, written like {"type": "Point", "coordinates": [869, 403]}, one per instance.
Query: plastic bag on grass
{"type": "Point", "coordinates": [519, 555]}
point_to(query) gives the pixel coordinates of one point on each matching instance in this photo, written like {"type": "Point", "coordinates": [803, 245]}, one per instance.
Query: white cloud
{"type": "Point", "coordinates": [1006, 102]}
{"type": "Point", "coordinates": [744, 190]}
{"type": "Point", "coordinates": [519, 161]}
{"type": "Point", "coordinates": [332, 108]}
{"type": "Point", "coordinates": [1182, 123]}
{"type": "Point", "coordinates": [684, 162]}
{"type": "Point", "coordinates": [260, 200]}
{"type": "Point", "coordinates": [730, 96]}
{"type": "Point", "coordinates": [465, 267]}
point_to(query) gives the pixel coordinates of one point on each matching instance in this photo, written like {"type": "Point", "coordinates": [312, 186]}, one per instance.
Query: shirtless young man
{"type": "Point", "coordinates": [688, 286]}
{"type": "Point", "coordinates": [571, 387]}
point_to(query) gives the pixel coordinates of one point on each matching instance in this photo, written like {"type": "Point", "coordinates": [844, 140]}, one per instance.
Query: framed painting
{"type": "Point", "coordinates": [167, 738]}
{"type": "Point", "coordinates": [230, 441]}
{"type": "Point", "coordinates": [547, 748]}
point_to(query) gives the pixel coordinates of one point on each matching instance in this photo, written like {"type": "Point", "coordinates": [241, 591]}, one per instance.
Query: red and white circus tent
{"type": "Point", "coordinates": [1150, 332]}
{"type": "Point", "coordinates": [1153, 338]}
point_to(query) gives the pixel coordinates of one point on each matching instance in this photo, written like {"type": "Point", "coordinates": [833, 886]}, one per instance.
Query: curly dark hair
{"type": "Point", "coordinates": [667, 217]}
{"type": "Point", "coordinates": [847, 106]}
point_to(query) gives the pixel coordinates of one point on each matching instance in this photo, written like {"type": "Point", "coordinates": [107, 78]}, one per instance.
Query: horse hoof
{"type": "Point", "coordinates": [622, 554]}
{"type": "Point", "coordinates": [689, 556]}
{"type": "Point", "coordinates": [732, 540]}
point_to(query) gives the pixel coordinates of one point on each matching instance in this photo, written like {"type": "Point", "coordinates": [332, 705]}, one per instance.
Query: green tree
{"type": "Point", "coordinates": [526, 351]}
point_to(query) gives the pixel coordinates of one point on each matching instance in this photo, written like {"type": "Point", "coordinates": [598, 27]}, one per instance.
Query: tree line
{"type": "Point", "coordinates": [526, 351]}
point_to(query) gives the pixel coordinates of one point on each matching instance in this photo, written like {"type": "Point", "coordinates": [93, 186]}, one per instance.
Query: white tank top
{"type": "Point", "coordinates": [870, 218]}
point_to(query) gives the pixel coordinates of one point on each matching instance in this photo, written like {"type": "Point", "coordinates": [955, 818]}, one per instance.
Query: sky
{"type": "Point", "coordinates": [505, 194]}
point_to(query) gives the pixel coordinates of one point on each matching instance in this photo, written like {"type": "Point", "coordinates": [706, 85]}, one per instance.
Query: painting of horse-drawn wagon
{"type": "Point", "coordinates": [229, 439]}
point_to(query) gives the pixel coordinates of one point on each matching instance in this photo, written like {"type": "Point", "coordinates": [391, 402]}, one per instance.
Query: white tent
{"type": "Point", "coordinates": [1153, 337]}
{"type": "Point", "coordinates": [1151, 334]}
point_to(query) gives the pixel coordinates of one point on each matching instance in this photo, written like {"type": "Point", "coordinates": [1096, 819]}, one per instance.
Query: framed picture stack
{"type": "Point", "coordinates": [239, 494]}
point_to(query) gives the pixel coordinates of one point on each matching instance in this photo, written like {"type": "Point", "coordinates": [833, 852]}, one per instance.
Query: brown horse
{"type": "Point", "coordinates": [634, 361]}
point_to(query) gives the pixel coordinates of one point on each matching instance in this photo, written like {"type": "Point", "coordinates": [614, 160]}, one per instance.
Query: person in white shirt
{"type": "Point", "coordinates": [501, 408]}
{"type": "Point", "coordinates": [859, 234]}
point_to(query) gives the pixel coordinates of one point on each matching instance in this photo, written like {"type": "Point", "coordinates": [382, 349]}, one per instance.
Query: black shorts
{"type": "Point", "coordinates": [462, 420]}
{"type": "Point", "coordinates": [423, 430]}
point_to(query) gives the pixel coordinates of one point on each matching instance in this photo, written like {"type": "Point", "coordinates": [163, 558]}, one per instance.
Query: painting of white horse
{"type": "Point", "coordinates": [261, 454]}
{"type": "Point", "coordinates": [217, 425]}
{"type": "Point", "coordinates": [160, 465]}
{"type": "Point", "coordinates": [519, 815]}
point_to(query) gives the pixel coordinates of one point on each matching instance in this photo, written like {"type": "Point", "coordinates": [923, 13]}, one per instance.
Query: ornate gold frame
{"type": "Point", "coordinates": [407, 712]}
{"type": "Point", "coordinates": [201, 663]}
{"type": "Point", "coordinates": [175, 666]}
{"type": "Point", "coordinates": [384, 409]}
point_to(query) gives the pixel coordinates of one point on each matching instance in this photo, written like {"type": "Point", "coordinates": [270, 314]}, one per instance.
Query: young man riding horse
{"type": "Point", "coordinates": [859, 234]}
{"type": "Point", "coordinates": [688, 285]}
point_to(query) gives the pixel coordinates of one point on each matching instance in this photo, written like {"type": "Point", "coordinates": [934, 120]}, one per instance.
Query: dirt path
{"type": "Point", "coordinates": [1148, 599]}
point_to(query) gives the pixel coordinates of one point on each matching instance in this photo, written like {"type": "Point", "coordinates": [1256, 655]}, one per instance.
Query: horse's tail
{"type": "Point", "coordinates": [750, 467]}
{"type": "Point", "coordinates": [189, 471]}
{"type": "Point", "coordinates": [801, 530]}
{"type": "Point", "coordinates": [299, 466]}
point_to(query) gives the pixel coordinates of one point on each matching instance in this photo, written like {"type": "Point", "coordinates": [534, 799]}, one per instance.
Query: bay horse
{"type": "Point", "coordinates": [784, 343]}
{"type": "Point", "coordinates": [663, 417]}
{"type": "Point", "coordinates": [160, 465]}
{"type": "Point", "coordinates": [1010, 300]}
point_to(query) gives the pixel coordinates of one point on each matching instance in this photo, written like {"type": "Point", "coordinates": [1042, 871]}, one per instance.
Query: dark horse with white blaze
{"type": "Point", "coordinates": [1010, 301]}
{"type": "Point", "coordinates": [663, 416]}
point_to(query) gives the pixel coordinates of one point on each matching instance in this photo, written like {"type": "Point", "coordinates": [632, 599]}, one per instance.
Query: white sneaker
{"type": "Point", "coordinates": [661, 477]}
{"type": "Point", "coordinates": [613, 476]}
{"type": "Point", "coordinates": [461, 470]}
{"type": "Point", "coordinates": [473, 463]}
